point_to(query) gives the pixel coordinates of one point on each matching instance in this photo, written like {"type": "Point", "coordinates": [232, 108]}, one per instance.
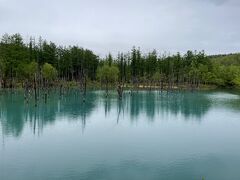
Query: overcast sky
{"type": "Point", "coordinates": [116, 25]}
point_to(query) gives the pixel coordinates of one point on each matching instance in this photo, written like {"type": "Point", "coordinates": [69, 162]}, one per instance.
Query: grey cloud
{"type": "Point", "coordinates": [111, 25]}
{"type": "Point", "coordinates": [223, 2]}
{"type": "Point", "coordinates": [218, 2]}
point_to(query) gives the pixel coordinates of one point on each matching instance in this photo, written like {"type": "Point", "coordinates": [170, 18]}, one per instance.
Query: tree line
{"type": "Point", "coordinates": [44, 64]}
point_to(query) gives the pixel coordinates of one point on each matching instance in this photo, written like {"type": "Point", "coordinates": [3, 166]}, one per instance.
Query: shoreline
{"type": "Point", "coordinates": [130, 87]}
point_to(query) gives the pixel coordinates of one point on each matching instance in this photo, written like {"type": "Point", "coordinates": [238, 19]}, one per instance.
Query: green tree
{"type": "Point", "coordinates": [157, 78]}
{"type": "Point", "coordinates": [49, 72]}
{"type": "Point", "coordinates": [2, 72]}
{"type": "Point", "coordinates": [108, 74]}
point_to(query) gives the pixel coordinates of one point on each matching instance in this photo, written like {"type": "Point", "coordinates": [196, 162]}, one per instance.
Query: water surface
{"type": "Point", "coordinates": [147, 135]}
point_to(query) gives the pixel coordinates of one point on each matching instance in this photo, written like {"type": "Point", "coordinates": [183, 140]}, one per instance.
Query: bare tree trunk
{"type": "Point", "coordinates": [107, 88]}
{"type": "Point", "coordinates": [120, 91]}
{"type": "Point", "coordinates": [0, 82]}
{"type": "Point", "coordinates": [35, 90]}
{"type": "Point", "coordinates": [61, 87]}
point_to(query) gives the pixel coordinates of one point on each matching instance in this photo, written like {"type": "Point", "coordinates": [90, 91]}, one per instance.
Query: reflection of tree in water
{"type": "Point", "coordinates": [107, 105]}
{"type": "Point", "coordinates": [233, 104]}
{"type": "Point", "coordinates": [14, 112]}
{"type": "Point", "coordinates": [135, 101]}
{"type": "Point", "coordinates": [11, 114]}
{"type": "Point", "coordinates": [188, 104]}
{"type": "Point", "coordinates": [44, 113]}
{"type": "Point", "coordinates": [150, 105]}
{"type": "Point", "coordinates": [73, 105]}
{"type": "Point", "coordinates": [119, 109]}
{"type": "Point", "coordinates": [231, 100]}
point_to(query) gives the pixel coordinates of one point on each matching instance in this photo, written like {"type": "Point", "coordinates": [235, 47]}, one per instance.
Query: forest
{"type": "Point", "coordinates": [39, 63]}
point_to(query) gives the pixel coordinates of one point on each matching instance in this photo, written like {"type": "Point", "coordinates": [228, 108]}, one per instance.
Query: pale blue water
{"type": "Point", "coordinates": [169, 136]}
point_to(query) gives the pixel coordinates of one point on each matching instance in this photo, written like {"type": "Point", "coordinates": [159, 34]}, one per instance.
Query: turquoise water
{"type": "Point", "coordinates": [147, 135]}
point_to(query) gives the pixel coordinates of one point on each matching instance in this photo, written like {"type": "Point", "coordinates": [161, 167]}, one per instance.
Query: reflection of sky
{"type": "Point", "coordinates": [223, 96]}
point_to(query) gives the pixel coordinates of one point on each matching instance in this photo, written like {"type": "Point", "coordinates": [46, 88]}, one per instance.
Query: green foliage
{"type": "Point", "coordinates": [49, 72]}
{"type": "Point", "coordinates": [2, 67]}
{"type": "Point", "coordinates": [226, 75]}
{"type": "Point", "coordinates": [156, 77]}
{"type": "Point", "coordinates": [108, 74]}
{"type": "Point", "coordinates": [227, 60]}
{"type": "Point", "coordinates": [22, 61]}
{"type": "Point", "coordinates": [236, 81]}
{"type": "Point", "coordinates": [32, 69]}
{"type": "Point", "coordinates": [27, 71]}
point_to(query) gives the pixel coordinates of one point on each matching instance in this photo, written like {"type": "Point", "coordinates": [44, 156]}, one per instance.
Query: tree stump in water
{"type": "Point", "coordinates": [45, 97]}
{"type": "Point", "coordinates": [120, 91]}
